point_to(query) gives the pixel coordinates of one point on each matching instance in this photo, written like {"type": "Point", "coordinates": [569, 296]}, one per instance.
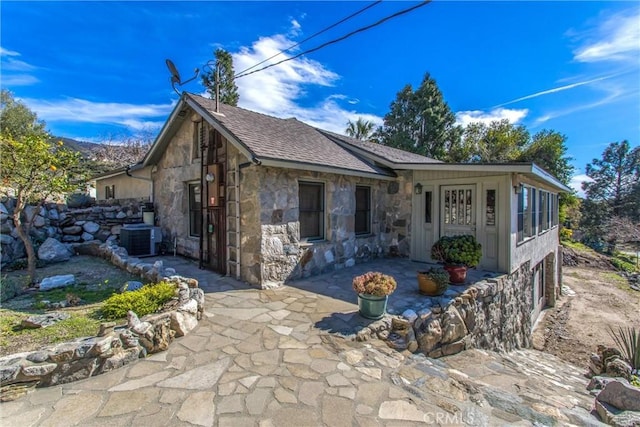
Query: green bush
{"type": "Point", "coordinates": [457, 250]}
{"type": "Point", "coordinates": [566, 234]}
{"type": "Point", "coordinates": [145, 300]}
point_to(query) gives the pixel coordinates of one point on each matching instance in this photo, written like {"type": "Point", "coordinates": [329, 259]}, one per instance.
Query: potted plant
{"type": "Point", "coordinates": [433, 282]}
{"type": "Point", "coordinates": [373, 289]}
{"type": "Point", "coordinates": [458, 253]}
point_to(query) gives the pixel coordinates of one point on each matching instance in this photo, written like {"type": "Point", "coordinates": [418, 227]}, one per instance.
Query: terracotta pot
{"type": "Point", "coordinates": [457, 274]}
{"type": "Point", "coordinates": [428, 286]}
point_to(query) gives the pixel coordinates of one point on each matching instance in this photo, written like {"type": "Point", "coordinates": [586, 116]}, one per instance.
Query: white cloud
{"type": "Point", "coordinates": [7, 52]}
{"type": "Point", "coordinates": [464, 118]}
{"type": "Point", "coordinates": [133, 116]}
{"type": "Point", "coordinates": [279, 91]}
{"type": "Point", "coordinates": [613, 92]}
{"type": "Point", "coordinates": [9, 64]}
{"type": "Point", "coordinates": [576, 183]}
{"type": "Point", "coordinates": [557, 89]}
{"type": "Point", "coordinates": [18, 80]}
{"type": "Point", "coordinates": [615, 38]}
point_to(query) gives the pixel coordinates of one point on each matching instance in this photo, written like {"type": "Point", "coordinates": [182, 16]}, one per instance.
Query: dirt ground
{"type": "Point", "coordinates": [573, 329]}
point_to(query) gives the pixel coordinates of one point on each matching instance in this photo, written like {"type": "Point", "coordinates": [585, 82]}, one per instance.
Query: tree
{"type": "Point", "coordinates": [34, 168]}
{"type": "Point", "coordinates": [360, 129]}
{"type": "Point", "coordinates": [613, 192]}
{"type": "Point", "coordinates": [228, 89]}
{"type": "Point", "coordinates": [615, 178]}
{"type": "Point", "coordinates": [499, 141]}
{"type": "Point", "coordinates": [421, 121]}
{"type": "Point", "coordinates": [548, 150]}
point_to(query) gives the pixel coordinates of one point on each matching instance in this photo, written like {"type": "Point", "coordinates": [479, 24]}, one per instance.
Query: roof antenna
{"type": "Point", "coordinates": [175, 75]}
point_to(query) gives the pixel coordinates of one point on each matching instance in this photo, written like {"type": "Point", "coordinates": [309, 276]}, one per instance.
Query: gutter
{"type": "Point", "coordinates": [139, 166]}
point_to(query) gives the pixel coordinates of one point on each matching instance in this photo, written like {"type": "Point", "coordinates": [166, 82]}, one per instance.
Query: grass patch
{"type": "Point", "coordinates": [88, 294]}
{"type": "Point", "coordinates": [80, 324]}
{"type": "Point", "coordinates": [576, 245]}
{"type": "Point", "coordinates": [625, 262]}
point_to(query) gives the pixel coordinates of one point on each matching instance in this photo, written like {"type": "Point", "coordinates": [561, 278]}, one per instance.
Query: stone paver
{"type": "Point", "coordinates": [279, 358]}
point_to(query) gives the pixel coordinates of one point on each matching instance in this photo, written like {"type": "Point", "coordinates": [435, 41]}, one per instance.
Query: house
{"type": "Point", "coordinates": [268, 200]}
{"type": "Point", "coordinates": [127, 183]}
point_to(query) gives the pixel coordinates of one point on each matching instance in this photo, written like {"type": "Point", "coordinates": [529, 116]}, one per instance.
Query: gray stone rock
{"type": "Point", "coordinates": [615, 417]}
{"type": "Point", "coordinates": [53, 251]}
{"type": "Point", "coordinates": [620, 394]}
{"type": "Point", "coordinates": [121, 215]}
{"type": "Point", "coordinates": [39, 221]}
{"type": "Point", "coordinates": [87, 237]}
{"type": "Point", "coordinates": [74, 229]}
{"type": "Point", "coordinates": [183, 322]}
{"type": "Point", "coordinates": [43, 320]}
{"type": "Point", "coordinates": [57, 282]}
{"type": "Point", "coordinates": [54, 215]}
{"type": "Point", "coordinates": [38, 370]}
{"type": "Point", "coordinates": [453, 326]}
{"type": "Point", "coordinates": [4, 214]}
{"type": "Point", "coordinates": [6, 239]}
{"type": "Point", "coordinates": [91, 227]}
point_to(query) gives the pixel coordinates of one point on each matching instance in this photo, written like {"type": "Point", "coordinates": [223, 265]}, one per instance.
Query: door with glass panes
{"type": "Point", "coordinates": [458, 211]}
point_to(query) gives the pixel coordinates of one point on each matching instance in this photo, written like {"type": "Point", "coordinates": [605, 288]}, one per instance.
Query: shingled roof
{"type": "Point", "coordinates": [286, 142]}
{"type": "Point", "coordinates": [383, 153]}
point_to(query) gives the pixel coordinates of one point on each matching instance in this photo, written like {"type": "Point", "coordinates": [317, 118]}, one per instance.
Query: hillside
{"type": "Point", "coordinates": [87, 149]}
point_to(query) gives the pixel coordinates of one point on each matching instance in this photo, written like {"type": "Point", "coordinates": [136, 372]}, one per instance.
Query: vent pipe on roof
{"type": "Point", "coordinates": [217, 88]}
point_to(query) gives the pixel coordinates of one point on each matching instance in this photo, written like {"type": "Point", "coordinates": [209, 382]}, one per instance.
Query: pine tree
{"type": "Point", "coordinates": [228, 89]}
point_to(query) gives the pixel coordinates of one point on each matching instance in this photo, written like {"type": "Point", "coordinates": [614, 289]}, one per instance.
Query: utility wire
{"type": "Point", "coordinates": [312, 36]}
{"type": "Point", "coordinates": [359, 30]}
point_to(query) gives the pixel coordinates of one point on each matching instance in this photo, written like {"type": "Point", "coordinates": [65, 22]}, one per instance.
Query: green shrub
{"type": "Point", "coordinates": [457, 250]}
{"type": "Point", "coordinates": [566, 234]}
{"type": "Point", "coordinates": [145, 300]}
{"type": "Point", "coordinates": [628, 341]}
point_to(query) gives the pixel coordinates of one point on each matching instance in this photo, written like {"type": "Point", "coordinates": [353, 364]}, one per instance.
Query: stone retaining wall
{"type": "Point", "coordinates": [70, 226]}
{"type": "Point", "coordinates": [113, 347]}
{"type": "Point", "coordinates": [493, 314]}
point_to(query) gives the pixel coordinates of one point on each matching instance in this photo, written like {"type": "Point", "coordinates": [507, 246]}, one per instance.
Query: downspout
{"type": "Point", "coordinates": [202, 205]}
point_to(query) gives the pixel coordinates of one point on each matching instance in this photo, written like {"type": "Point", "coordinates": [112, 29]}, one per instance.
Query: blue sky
{"type": "Point", "coordinates": [95, 70]}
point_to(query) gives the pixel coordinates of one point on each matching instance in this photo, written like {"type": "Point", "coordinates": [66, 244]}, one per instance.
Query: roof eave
{"type": "Point", "coordinates": [149, 158]}
{"type": "Point", "coordinates": [228, 135]}
{"type": "Point", "coordinates": [289, 164]}
{"type": "Point", "coordinates": [523, 168]}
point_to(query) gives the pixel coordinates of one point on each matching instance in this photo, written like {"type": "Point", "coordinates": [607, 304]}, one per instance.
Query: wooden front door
{"type": "Point", "coordinates": [214, 249]}
{"type": "Point", "coordinates": [458, 210]}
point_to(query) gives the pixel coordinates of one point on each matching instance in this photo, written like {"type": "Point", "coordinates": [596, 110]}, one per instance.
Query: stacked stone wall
{"type": "Point", "coordinates": [113, 347]}
{"type": "Point", "coordinates": [72, 226]}
{"type": "Point", "coordinates": [493, 314]}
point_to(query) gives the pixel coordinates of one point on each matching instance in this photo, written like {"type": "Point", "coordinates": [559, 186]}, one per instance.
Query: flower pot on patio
{"type": "Point", "coordinates": [371, 306]}
{"type": "Point", "coordinates": [373, 289]}
{"type": "Point", "coordinates": [457, 253]}
{"type": "Point", "coordinates": [457, 274]}
{"type": "Point", "coordinates": [433, 282]}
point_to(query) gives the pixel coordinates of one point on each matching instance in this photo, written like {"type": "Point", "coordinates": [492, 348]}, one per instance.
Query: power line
{"type": "Point", "coordinates": [312, 36]}
{"type": "Point", "coordinates": [359, 30]}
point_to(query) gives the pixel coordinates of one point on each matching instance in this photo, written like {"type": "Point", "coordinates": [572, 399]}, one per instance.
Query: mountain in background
{"type": "Point", "coordinates": [87, 149]}
{"type": "Point", "coordinates": [98, 158]}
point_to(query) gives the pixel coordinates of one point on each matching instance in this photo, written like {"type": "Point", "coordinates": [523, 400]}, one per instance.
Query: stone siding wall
{"type": "Point", "coordinates": [71, 226]}
{"type": "Point", "coordinates": [175, 170]}
{"type": "Point", "coordinates": [282, 256]}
